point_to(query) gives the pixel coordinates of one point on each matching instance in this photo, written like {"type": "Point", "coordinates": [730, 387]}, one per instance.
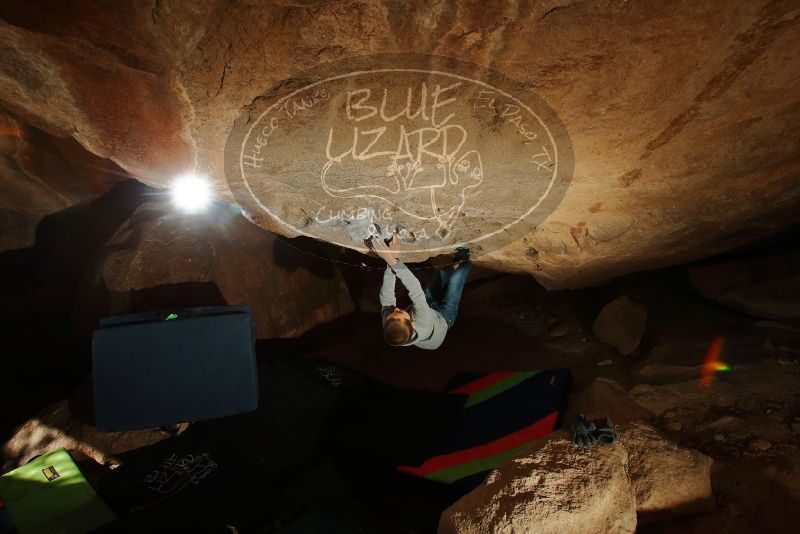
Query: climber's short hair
{"type": "Point", "coordinates": [397, 331]}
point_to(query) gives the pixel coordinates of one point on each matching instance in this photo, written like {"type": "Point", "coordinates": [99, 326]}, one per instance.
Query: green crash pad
{"type": "Point", "coordinates": [51, 495]}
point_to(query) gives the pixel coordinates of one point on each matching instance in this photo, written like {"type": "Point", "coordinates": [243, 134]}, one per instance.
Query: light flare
{"type": "Point", "coordinates": [712, 363]}
{"type": "Point", "coordinates": [191, 192]}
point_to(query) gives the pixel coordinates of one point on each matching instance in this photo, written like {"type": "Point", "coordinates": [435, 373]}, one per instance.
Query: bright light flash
{"type": "Point", "coordinates": [191, 192]}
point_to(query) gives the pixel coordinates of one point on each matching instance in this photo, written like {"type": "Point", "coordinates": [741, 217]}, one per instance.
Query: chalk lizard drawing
{"type": "Point", "coordinates": [437, 182]}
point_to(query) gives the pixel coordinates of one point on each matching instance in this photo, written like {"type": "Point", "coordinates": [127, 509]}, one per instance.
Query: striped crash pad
{"type": "Point", "coordinates": [502, 413]}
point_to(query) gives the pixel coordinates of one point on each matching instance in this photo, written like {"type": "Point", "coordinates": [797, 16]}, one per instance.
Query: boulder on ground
{"type": "Point", "coordinates": [621, 324]}
{"type": "Point", "coordinates": [554, 488]}
{"type": "Point", "coordinates": [160, 249]}
{"type": "Point", "coordinates": [667, 479]}
{"type": "Point", "coordinates": [559, 488]}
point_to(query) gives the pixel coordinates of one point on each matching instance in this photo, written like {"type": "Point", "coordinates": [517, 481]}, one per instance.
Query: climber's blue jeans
{"type": "Point", "coordinates": [443, 290]}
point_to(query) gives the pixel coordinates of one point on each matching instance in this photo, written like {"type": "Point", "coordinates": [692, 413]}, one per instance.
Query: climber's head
{"type": "Point", "coordinates": [398, 328]}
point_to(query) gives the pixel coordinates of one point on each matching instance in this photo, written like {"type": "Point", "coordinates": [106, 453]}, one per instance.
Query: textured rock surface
{"type": "Point", "coordinates": [158, 248]}
{"type": "Point", "coordinates": [676, 157]}
{"type": "Point", "coordinates": [782, 337]}
{"type": "Point", "coordinates": [621, 323]}
{"type": "Point", "coordinates": [556, 487]}
{"type": "Point", "coordinates": [663, 398]}
{"type": "Point", "coordinates": [41, 174]}
{"type": "Point", "coordinates": [56, 426]}
{"type": "Point", "coordinates": [667, 479]}
{"type": "Point", "coordinates": [605, 397]}
{"type": "Point", "coordinates": [764, 287]}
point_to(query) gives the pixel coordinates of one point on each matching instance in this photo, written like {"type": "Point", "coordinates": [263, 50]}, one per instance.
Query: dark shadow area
{"type": "Point", "coordinates": [66, 241]}
{"type": "Point", "coordinates": [310, 444]}
{"type": "Point", "coordinates": [357, 341]}
{"type": "Point", "coordinates": [304, 253]}
{"type": "Point", "coordinates": [45, 357]}
{"type": "Point", "coordinates": [775, 506]}
{"type": "Point", "coordinates": [359, 271]}
{"type": "Point", "coordinates": [96, 302]}
{"type": "Point", "coordinates": [51, 343]}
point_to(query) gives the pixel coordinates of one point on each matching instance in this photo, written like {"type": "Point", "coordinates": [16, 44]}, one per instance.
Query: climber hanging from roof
{"type": "Point", "coordinates": [433, 310]}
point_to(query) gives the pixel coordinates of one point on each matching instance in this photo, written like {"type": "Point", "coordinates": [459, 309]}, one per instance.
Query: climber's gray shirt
{"type": "Point", "coordinates": [429, 325]}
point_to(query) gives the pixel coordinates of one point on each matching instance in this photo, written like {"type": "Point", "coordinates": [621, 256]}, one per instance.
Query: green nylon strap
{"type": "Point", "coordinates": [494, 389]}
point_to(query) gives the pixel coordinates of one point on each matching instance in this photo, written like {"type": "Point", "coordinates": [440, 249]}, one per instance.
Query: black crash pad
{"type": "Point", "coordinates": [161, 368]}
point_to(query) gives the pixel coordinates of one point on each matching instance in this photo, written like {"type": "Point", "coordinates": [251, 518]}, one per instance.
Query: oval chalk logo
{"type": "Point", "coordinates": [441, 152]}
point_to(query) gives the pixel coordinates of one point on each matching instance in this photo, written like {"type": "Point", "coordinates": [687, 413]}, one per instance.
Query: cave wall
{"type": "Point", "coordinates": [41, 174]}
{"type": "Point", "coordinates": [682, 114]}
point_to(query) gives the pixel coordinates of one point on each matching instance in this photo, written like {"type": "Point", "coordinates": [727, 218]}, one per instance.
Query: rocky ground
{"type": "Point", "coordinates": [747, 420]}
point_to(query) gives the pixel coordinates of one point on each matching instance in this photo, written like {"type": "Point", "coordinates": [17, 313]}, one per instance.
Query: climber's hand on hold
{"type": "Point", "coordinates": [389, 253]}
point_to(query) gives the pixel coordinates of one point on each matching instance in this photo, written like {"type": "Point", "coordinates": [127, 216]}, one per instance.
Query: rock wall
{"type": "Point", "coordinates": [41, 174]}
{"type": "Point", "coordinates": [682, 116]}
{"type": "Point", "coordinates": [156, 252]}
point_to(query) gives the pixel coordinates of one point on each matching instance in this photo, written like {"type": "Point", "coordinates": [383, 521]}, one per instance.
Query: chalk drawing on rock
{"type": "Point", "coordinates": [450, 153]}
